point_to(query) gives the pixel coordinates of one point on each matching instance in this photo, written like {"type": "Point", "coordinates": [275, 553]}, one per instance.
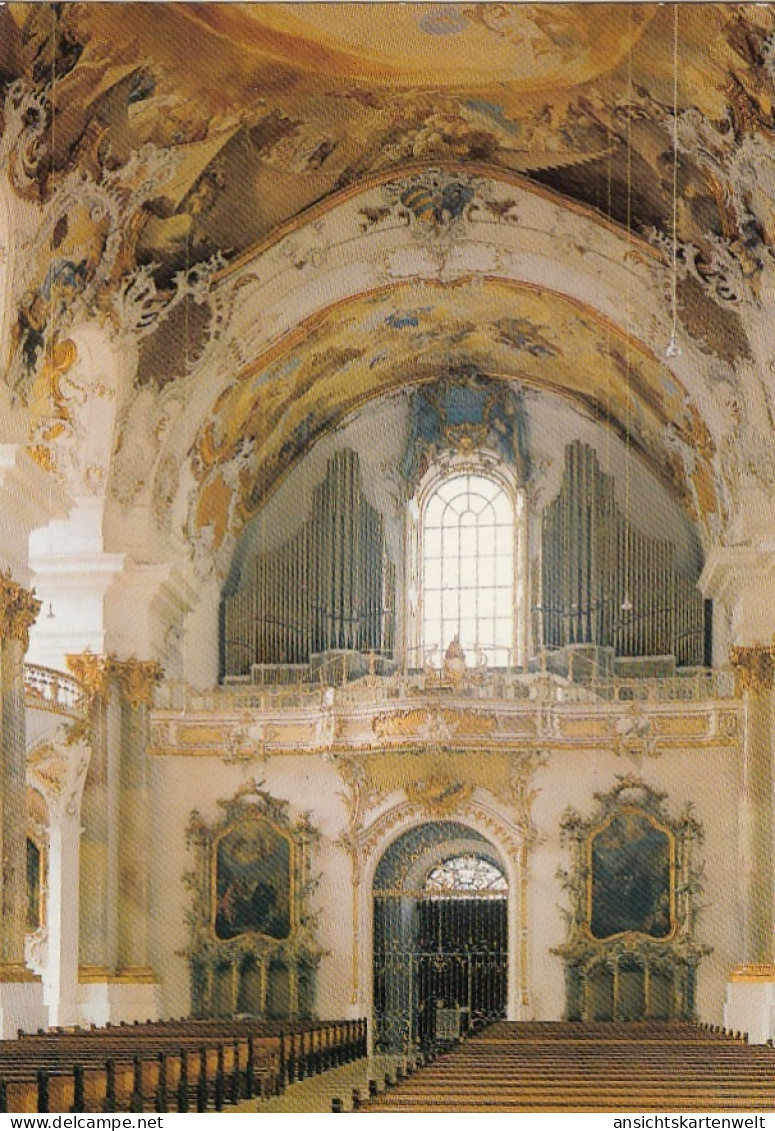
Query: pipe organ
{"type": "Point", "coordinates": [329, 587]}
{"type": "Point", "coordinates": [604, 583]}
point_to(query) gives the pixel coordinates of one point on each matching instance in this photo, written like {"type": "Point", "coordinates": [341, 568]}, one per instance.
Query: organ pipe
{"type": "Point", "coordinates": [594, 561]}
{"type": "Point", "coordinates": [330, 586]}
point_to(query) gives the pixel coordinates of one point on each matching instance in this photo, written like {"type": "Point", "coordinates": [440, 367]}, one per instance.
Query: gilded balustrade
{"type": "Point", "coordinates": [698, 685]}
{"type": "Point", "coordinates": [46, 689]}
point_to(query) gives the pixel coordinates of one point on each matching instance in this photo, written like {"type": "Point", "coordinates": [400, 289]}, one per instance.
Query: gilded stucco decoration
{"type": "Point", "coordinates": [495, 793]}
{"type": "Point", "coordinates": [91, 669]}
{"type": "Point", "coordinates": [438, 796]}
{"type": "Point", "coordinates": [434, 725]}
{"type": "Point", "coordinates": [58, 771]}
{"type": "Point", "coordinates": [637, 718]}
{"type": "Point", "coordinates": [19, 609]}
{"type": "Point", "coordinates": [136, 679]}
{"type": "Point", "coordinates": [251, 924]}
{"type": "Point", "coordinates": [754, 667]}
{"type": "Point", "coordinates": [633, 887]}
{"type": "Point", "coordinates": [95, 673]}
{"type": "Point", "coordinates": [150, 184]}
{"type": "Point", "coordinates": [434, 205]}
{"type": "Point", "coordinates": [635, 734]}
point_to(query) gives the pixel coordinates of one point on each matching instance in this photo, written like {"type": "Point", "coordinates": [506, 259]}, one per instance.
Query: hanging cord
{"type": "Point", "coordinates": [673, 349]}
{"type": "Point", "coordinates": [52, 149]}
{"type": "Point", "coordinates": [627, 603]}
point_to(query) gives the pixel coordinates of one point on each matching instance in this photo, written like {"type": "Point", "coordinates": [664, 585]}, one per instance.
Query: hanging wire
{"type": "Point", "coordinates": [626, 605]}
{"type": "Point", "coordinates": [51, 343]}
{"type": "Point", "coordinates": [52, 149]}
{"type": "Point", "coordinates": [673, 349]}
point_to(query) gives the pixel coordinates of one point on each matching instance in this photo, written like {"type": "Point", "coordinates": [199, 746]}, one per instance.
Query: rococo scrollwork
{"type": "Point", "coordinates": [754, 667]}
{"type": "Point", "coordinates": [631, 951]}
{"type": "Point", "coordinates": [19, 608]}
{"type": "Point", "coordinates": [252, 937]}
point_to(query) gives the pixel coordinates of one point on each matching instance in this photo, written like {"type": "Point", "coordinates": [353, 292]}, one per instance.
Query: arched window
{"type": "Point", "coordinates": [467, 568]}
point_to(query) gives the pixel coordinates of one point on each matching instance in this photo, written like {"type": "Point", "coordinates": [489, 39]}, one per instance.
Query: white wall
{"type": "Point", "coordinates": [708, 778]}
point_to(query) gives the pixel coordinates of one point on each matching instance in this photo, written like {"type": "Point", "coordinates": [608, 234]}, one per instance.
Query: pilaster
{"type": "Point", "coordinates": [117, 983]}
{"type": "Point", "coordinates": [99, 817]}
{"type": "Point", "coordinates": [135, 680]}
{"type": "Point", "coordinates": [20, 1008]}
{"type": "Point", "coordinates": [58, 771]}
{"type": "Point", "coordinates": [750, 999]}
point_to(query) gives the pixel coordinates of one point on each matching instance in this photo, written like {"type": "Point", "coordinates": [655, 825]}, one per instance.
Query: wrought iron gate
{"type": "Point", "coordinates": [440, 962]}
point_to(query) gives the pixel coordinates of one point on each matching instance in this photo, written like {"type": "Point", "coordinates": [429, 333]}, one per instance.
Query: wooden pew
{"type": "Point", "coordinates": [194, 1065]}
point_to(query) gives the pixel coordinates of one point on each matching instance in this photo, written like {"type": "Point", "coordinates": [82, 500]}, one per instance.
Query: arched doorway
{"type": "Point", "coordinates": [440, 935]}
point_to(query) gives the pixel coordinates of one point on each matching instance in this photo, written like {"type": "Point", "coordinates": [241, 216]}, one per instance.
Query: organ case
{"type": "Point", "coordinates": [329, 587]}
{"type": "Point", "coordinates": [604, 583]}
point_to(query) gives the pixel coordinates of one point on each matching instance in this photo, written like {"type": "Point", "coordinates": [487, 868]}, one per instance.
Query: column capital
{"type": "Point", "coordinates": [754, 666]}
{"type": "Point", "coordinates": [136, 679]}
{"type": "Point", "coordinates": [19, 608]}
{"type": "Point", "coordinates": [91, 670]}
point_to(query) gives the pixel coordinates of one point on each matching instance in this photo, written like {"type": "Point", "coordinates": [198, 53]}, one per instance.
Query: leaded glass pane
{"type": "Point", "coordinates": [468, 558]}
{"type": "Point", "coordinates": [465, 873]}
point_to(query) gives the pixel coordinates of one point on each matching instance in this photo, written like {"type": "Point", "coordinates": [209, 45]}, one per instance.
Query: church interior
{"type": "Point", "coordinates": [387, 622]}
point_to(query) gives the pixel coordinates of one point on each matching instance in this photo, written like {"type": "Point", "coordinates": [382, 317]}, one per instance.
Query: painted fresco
{"type": "Point", "coordinates": [174, 164]}
{"type": "Point", "coordinates": [160, 176]}
{"type": "Point", "coordinates": [264, 421]}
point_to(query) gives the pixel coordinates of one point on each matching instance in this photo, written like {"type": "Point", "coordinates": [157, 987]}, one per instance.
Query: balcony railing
{"type": "Point", "coordinates": [695, 685]}
{"type": "Point", "coordinates": [46, 689]}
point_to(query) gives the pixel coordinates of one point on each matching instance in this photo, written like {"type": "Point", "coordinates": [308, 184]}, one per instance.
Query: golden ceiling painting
{"type": "Point", "coordinates": [406, 334]}
{"type": "Point", "coordinates": [162, 147]}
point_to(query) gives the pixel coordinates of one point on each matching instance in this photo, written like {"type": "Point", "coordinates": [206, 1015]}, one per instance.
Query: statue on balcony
{"type": "Point", "coordinates": [454, 663]}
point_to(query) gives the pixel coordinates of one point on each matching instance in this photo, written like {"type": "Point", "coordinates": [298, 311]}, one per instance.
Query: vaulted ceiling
{"type": "Point", "coordinates": [271, 108]}
{"type": "Point", "coordinates": [250, 192]}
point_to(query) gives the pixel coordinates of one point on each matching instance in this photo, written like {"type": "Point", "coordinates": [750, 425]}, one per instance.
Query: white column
{"type": "Point", "coordinates": [58, 771]}
{"type": "Point", "coordinates": [741, 579]}
{"type": "Point", "coordinates": [21, 995]}
{"type": "Point", "coordinates": [116, 981]}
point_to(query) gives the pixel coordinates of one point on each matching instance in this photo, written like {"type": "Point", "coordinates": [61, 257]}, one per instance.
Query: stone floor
{"type": "Point", "coordinates": [316, 1093]}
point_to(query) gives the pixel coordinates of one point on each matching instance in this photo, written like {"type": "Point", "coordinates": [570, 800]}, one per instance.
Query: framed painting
{"type": "Point", "coordinates": [253, 882]}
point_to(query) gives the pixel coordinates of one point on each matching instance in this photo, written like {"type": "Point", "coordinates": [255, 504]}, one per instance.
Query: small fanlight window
{"type": "Point", "coordinates": [465, 874]}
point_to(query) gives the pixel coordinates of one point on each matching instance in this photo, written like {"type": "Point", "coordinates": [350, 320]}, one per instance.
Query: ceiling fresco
{"type": "Point", "coordinates": [268, 108]}
{"type": "Point", "coordinates": [378, 343]}
{"type": "Point", "coordinates": [152, 148]}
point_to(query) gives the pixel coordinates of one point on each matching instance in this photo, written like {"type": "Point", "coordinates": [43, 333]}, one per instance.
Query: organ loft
{"type": "Point", "coordinates": [386, 482]}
